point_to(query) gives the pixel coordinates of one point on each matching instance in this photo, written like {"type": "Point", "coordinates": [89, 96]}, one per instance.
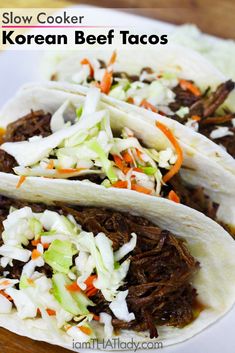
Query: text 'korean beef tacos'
{"type": "Point", "coordinates": [82, 273]}
{"type": "Point", "coordinates": [174, 81]}
{"type": "Point", "coordinates": [71, 146]}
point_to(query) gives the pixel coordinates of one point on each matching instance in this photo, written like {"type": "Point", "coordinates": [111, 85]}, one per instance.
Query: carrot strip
{"type": "Point", "coordinates": [50, 312]}
{"type": "Point", "coordinates": [127, 157]}
{"type": "Point", "coordinates": [87, 62]}
{"type": "Point", "coordinates": [186, 85]}
{"type": "Point", "coordinates": [106, 82]}
{"type": "Point", "coordinates": [89, 281]}
{"type": "Point", "coordinates": [6, 295]}
{"type": "Point", "coordinates": [21, 181]}
{"type": "Point", "coordinates": [178, 150]}
{"type": "Point", "coordinates": [113, 58]}
{"type": "Point", "coordinates": [69, 170]}
{"type": "Point", "coordinates": [35, 254]}
{"type": "Point", "coordinates": [173, 196]}
{"type": "Point", "coordinates": [91, 292]}
{"type": "Point", "coordinates": [5, 283]}
{"type": "Point", "coordinates": [35, 242]}
{"type": "Point", "coordinates": [139, 153]}
{"type": "Point", "coordinates": [73, 287]}
{"type": "Point", "coordinates": [45, 245]}
{"type": "Point", "coordinates": [138, 170]}
{"type": "Point", "coordinates": [50, 165]}
{"type": "Point", "coordinates": [85, 329]}
{"type": "Point", "coordinates": [145, 104]}
{"type": "Point", "coordinates": [95, 317]}
{"type": "Point", "coordinates": [120, 164]}
{"type": "Point", "coordinates": [130, 100]}
{"type": "Point", "coordinates": [141, 189]}
{"type": "Point", "coordinates": [118, 161]}
{"type": "Point", "coordinates": [120, 184]}
{"type": "Point", "coordinates": [196, 118]}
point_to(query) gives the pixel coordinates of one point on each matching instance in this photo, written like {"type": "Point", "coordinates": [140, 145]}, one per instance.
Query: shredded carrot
{"type": "Point", "coordinates": [5, 283]}
{"type": "Point", "coordinates": [6, 295]}
{"type": "Point", "coordinates": [21, 181]}
{"type": "Point", "coordinates": [50, 312]}
{"type": "Point", "coordinates": [130, 100]}
{"type": "Point", "coordinates": [89, 281]}
{"type": "Point", "coordinates": [50, 165]}
{"type": "Point", "coordinates": [2, 133]}
{"type": "Point", "coordinates": [145, 104]}
{"type": "Point", "coordinates": [120, 184]}
{"type": "Point", "coordinates": [91, 292]}
{"type": "Point", "coordinates": [106, 82]}
{"type": "Point", "coordinates": [73, 287]}
{"type": "Point", "coordinates": [87, 62]}
{"type": "Point", "coordinates": [186, 85]}
{"type": "Point", "coordinates": [173, 196]}
{"type": "Point", "coordinates": [35, 242]}
{"type": "Point", "coordinates": [178, 150]}
{"type": "Point", "coordinates": [196, 118]}
{"type": "Point", "coordinates": [127, 157]}
{"type": "Point", "coordinates": [96, 317]}
{"type": "Point", "coordinates": [35, 254]}
{"type": "Point", "coordinates": [118, 161]}
{"type": "Point", "coordinates": [85, 329]}
{"type": "Point", "coordinates": [45, 245]}
{"type": "Point", "coordinates": [139, 153]}
{"type": "Point", "coordinates": [69, 170]}
{"type": "Point", "coordinates": [113, 58]}
{"type": "Point", "coordinates": [138, 170]}
{"type": "Point", "coordinates": [141, 189]}
{"type": "Point", "coordinates": [120, 164]}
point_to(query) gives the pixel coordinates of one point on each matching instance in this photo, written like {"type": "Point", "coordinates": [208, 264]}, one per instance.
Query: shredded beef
{"type": "Point", "coordinates": [183, 98]}
{"type": "Point", "coordinates": [194, 197]}
{"type": "Point", "coordinates": [205, 107]}
{"type": "Point", "coordinates": [7, 162]}
{"type": "Point", "coordinates": [160, 272]}
{"type": "Point", "coordinates": [34, 124]}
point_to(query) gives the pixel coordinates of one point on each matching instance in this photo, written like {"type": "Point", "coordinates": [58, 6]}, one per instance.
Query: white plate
{"type": "Point", "coordinates": [17, 68]}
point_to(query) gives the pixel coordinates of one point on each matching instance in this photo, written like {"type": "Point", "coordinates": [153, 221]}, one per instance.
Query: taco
{"type": "Point", "coordinates": [68, 146]}
{"type": "Point", "coordinates": [173, 81]}
{"type": "Point", "coordinates": [75, 274]}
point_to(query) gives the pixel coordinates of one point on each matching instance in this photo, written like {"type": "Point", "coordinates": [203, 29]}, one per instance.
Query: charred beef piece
{"type": "Point", "coordinates": [160, 272]}
{"type": "Point", "coordinates": [208, 105]}
{"type": "Point", "coordinates": [34, 124]}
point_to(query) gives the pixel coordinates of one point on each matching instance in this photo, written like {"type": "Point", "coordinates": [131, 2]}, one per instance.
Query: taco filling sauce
{"type": "Point", "coordinates": [168, 94]}
{"type": "Point", "coordinates": [77, 266]}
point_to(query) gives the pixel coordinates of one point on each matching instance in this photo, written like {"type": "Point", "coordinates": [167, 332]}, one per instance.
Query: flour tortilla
{"type": "Point", "coordinates": [206, 240]}
{"type": "Point", "coordinates": [191, 65]}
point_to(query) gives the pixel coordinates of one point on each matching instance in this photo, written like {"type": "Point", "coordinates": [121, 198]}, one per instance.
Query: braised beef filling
{"type": "Point", "coordinates": [38, 123]}
{"type": "Point", "coordinates": [160, 274]}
